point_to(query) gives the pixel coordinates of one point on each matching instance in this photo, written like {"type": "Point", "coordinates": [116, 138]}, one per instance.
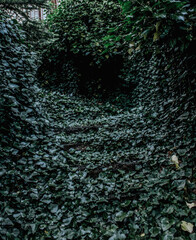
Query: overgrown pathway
{"type": "Point", "coordinates": [100, 172]}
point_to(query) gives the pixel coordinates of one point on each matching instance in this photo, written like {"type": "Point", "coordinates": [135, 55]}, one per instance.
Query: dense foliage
{"type": "Point", "coordinates": [168, 20]}
{"type": "Point", "coordinates": [18, 112]}
{"type": "Point", "coordinates": [104, 173]}
{"type": "Point", "coordinates": [18, 6]}
{"type": "Point", "coordinates": [162, 29]}
{"type": "Point", "coordinates": [94, 37]}
{"type": "Point", "coordinates": [78, 169]}
{"type": "Point", "coordinates": [17, 68]}
{"type": "Point", "coordinates": [79, 52]}
{"type": "Point", "coordinates": [36, 32]}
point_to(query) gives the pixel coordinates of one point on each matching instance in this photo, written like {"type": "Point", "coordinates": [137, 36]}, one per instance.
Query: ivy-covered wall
{"type": "Point", "coordinates": [17, 69]}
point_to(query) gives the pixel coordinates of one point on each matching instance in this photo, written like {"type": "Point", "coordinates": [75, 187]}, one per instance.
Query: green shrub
{"type": "Point", "coordinates": [82, 29]}
{"type": "Point", "coordinates": [159, 38]}
{"type": "Point", "coordinates": [170, 21]}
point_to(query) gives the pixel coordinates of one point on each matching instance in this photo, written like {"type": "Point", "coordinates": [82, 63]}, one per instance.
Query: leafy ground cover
{"type": "Point", "coordinates": [100, 172]}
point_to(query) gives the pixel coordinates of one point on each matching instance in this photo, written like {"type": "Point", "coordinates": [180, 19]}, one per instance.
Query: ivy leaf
{"type": "Point", "coordinates": [166, 223]}
{"type": "Point", "coordinates": [156, 36]}
{"type": "Point", "coordinates": [191, 205]}
{"type": "Point", "coordinates": [118, 236]}
{"type": "Point", "coordinates": [120, 216]}
{"type": "Point", "coordinates": [175, 160]}
{"type": "Point", "coordinates": [154, 231]}
{"type": "Point", "coordinates": [187, 227]}
{"type": "Point", "coordinates": [67, 221]}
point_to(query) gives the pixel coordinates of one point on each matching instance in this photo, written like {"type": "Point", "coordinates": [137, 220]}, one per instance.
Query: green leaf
{"type": "Point", "coordinates": [166, 223]}
{"type": "Point", "coordinates": [120, 216]}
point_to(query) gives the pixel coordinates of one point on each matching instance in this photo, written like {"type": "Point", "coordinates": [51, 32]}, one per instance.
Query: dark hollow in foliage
{"type": "Point", "coordinates": [79, 56]}
{"type": "Point", "coordinates": [94, 78]}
